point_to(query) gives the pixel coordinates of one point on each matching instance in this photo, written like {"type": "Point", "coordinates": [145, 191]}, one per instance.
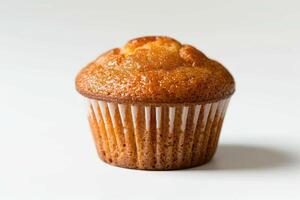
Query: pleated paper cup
{"type": "Point", "coordinates": [156, 137]}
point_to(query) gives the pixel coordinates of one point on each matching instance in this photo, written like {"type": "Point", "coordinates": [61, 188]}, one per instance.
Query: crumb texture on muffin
{"type": "Point", "coordinates": [155, 69]}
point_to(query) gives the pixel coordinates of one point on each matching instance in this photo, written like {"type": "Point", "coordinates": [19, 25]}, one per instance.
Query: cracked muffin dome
{"type": "Point", "coordinates": [155, 69]}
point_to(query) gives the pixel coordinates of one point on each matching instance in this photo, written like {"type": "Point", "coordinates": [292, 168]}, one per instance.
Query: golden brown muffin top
{"type": "Point", "coordinates": [155, 69]}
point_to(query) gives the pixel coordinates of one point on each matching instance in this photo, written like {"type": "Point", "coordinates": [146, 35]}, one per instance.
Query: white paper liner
{"type": "Point", "coordinates": [156, 137]}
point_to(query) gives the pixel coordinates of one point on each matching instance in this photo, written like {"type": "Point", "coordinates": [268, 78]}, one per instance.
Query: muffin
{"type": "Point", "coordinates": [155, 104]}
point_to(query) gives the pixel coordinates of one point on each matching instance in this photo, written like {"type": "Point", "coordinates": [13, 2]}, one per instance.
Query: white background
{"type": "Point", "coordinates": [46, 149]}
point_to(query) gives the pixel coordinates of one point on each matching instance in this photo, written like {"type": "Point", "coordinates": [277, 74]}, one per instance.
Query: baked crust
{"type": "Point", "coordinates": [155, 69]}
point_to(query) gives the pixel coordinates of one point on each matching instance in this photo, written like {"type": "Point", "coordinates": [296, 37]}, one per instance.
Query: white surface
{"type": "Point", "coordinates": [46, 149]}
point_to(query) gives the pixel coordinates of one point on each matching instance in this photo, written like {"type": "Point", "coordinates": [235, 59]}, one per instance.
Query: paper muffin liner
{"type": "Point", "coordinates": [156, 137]}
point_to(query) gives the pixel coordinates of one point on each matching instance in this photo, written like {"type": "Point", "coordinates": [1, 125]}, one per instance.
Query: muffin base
{"type": "Point", "coordinates": [153, 137]}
